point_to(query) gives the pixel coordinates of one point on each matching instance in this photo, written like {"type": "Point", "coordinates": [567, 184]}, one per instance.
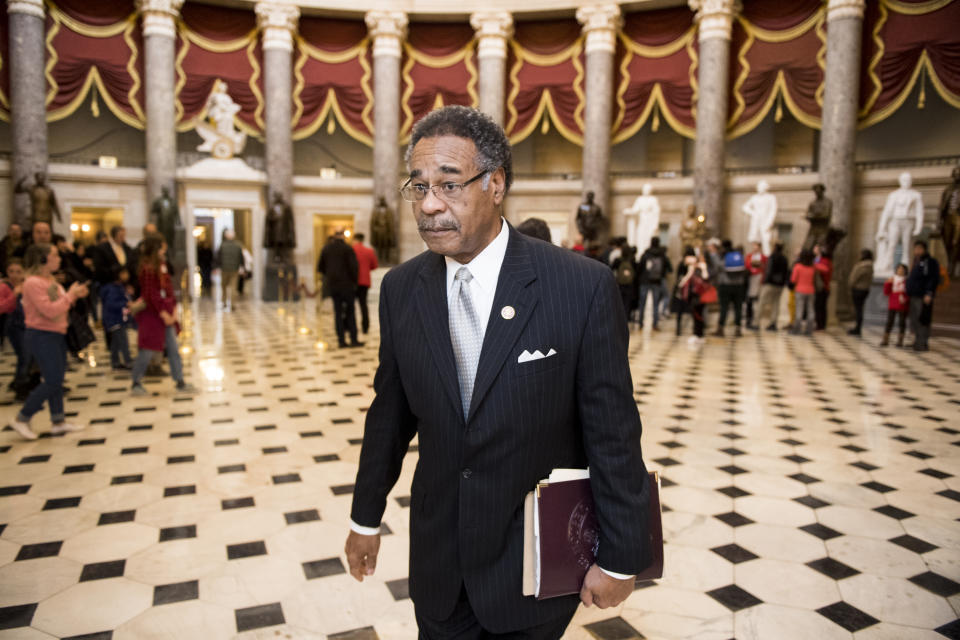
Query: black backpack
{"type": "Point", "coordinates": [626, 275]}
{"type": "Point", "coordinates": [654, 268]}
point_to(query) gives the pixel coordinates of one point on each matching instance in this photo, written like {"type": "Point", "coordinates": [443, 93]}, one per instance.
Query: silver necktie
{"type": "Point", "coordinates": [465, 334]}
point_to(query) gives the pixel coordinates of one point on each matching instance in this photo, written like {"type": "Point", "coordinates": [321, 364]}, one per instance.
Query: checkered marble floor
{"type": "Point", "coordinates": [811, 489]}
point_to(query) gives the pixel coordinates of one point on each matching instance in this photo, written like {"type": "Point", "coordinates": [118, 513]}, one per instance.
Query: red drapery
{"type": "Point", "coordinates": [217, 43]}
{"type": "Point", "coordinates": [439, 68]}
{"type": "Point", "coordinates": [332, 78]}
{"type": "Point", "coordinates": [655, 63]}
{"type": "Point", "coordinates": [546, 67]}
{"type": "Point", "coordinates": [905, 42]}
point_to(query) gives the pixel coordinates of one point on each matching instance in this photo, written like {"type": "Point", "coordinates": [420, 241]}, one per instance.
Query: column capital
{"type": "Point", "coordinates": [493, 29]}
{"type": "Point", "coordinates": [715, 17]}
{"type": "Point", "coordinates": [600, 24]}
{"type": "Point", "coordinates": [839, 9]}
{"type": "Point", "coordinates": [28, 7]}
{"type": "Point", "coordinates": [388, 29]}
{"type": "Point", "coordinates": [278, 22]}
{"type": "Point", "coordinates": [159, 17]}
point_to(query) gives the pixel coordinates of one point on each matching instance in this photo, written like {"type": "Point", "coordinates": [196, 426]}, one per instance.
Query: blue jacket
{"type": "Point", "coordinates": [924, 277]}
{"type": "Point", "coordinates": [114, 298]}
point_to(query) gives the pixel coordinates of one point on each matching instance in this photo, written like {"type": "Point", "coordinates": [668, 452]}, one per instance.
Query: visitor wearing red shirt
{"type": "Point", "coordinates": [804, 288]}
{"type": "Point", "coordinates": [824, 266]}
{"type": "Point", "coordinates": [756, 266]}
{"type": "Point", "coordinates": [366, 262]}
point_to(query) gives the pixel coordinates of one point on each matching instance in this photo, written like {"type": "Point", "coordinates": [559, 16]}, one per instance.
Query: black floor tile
{"type": "Point", "coordinates": [329, 457]}
{"type": "Point", "coordinates": [821, 531]}
{"type": "Point", "coordinates": [100, 635]}
{"type": "Point", "coordinates": [41, 550]}
{"type": "Point", "coordinates": [15, 490]}
{"type": "Point", "coordinates": [236, 503]}
{"type": "Point", "coordinates": [364, 633]}
{"type": "Point", "coordinates": [178, 533]}
{"type": "Point", "coordinates": [732, 469]}
{"type": "Point", "coordinates": [399, 589]}
{"type": "Point", "coordinates": [323, 568]}
{"type": "Point", "coordinates": [894, 512]}
{"type": "Point", "coordinates": [185, 490]}
{"type": "Point", "coordinates": [342, 490]}
{"type": "Point", "coordinates": [847, 616]}
{"type": "Point", "coordinates": [62, 503]}
{"type": "Point", "coordinates": [286, 478]}
{"type": "Point", "coordinates": [933, 582]}
{"type": "Point", "coordinates": [35, 459]}
{"type": "Point", "coordinates": [232, 468]}
{"type": "Point", "coordinates": [116, 517]}
{"type": "Point", "coordinates": [131, 479]}
{"type": "Point", "coordinates": [950, 630]}
{"type": "Point", "coordinates": [879, 487]}
{"type": "Point", "coordinates": [734, 598]}
{"type": "Point", "coordinates": [18, 616]}
{"type": "Point", "coordinates": [613, 629]}
{"type": "Point", "coordinates": [102, 570]}
{"type": "Point", "coordinates": [78, 468]}
{"type": "Point", "coordinates": [833, 568]}
{"type": "Point", "coordinates": [170, 593]}
{"type": "Point", "coordinates": [266, 615]}
{"type": "Point", "coordinates": [913, 544]}
{"type": "Point", "coordinates": [734, 553]}
{"type": "Point", "coordinates": [246, 550]}
{"type": "Point", "coordinates": [734, 492]}
{"type": "Point", "coordinates": [804, 478]}
{"type": "Point", "coordinates": [308, 515]}
{"type": "Point", "coordinates": [950, 493]}
{"type": "Point", "coordinates": [733, 519]}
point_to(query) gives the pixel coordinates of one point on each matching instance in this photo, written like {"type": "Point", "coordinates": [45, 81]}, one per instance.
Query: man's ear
{"type": "Point", "coordinates": [498, 184]}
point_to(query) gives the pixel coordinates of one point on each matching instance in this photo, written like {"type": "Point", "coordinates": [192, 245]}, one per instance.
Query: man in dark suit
{"type": "Point", "coordinates": [338, 266]}
{"type": "Point", "coordinates": [507, 356]}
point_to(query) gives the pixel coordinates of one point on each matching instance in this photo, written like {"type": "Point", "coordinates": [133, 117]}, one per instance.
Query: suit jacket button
{"type": "Point", "coordinates": [466, 474]}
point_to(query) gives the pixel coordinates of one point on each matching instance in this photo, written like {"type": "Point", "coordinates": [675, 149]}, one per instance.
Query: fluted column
{"type": "Point", "coordinates": [600, 25]}
{"type": "Point", "coordinates": [493, 29]}
{"type": "Point", "coordinates": [715, 18]}
{"type": "Point", "coordinates": [388, 29]}
{"type": "Point", "coordinates": [278, 23]}
{"type": "Point", "coordinates": [839, 133]}
{"type": "Point", "coordinates": [159, 40]}
{"type": "Point", "coordinates": [28, 88]}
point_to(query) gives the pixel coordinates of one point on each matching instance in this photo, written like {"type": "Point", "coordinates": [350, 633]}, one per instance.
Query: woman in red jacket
{"type": "Point", "coordinates": [802, 279]}
{"type": "Point", "coordinates": [156, 325]}
{"type": "Point", "coordinates": [898, 304]}
{"type": "Point", "coordinates": [824, 266]}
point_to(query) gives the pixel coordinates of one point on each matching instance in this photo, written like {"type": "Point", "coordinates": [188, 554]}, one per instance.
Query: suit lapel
{"type": "Point", "coordinates": [432, 306]}
{"type": "Point", "coordinates": [514, 290]}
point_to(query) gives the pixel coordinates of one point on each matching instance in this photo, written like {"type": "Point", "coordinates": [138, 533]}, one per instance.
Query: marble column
{"type": "Point", "coordinates": [493, 29]}
{"type": "Point", "coordinates": [600, 25]}
{"type": "Point", "coordinates": [28, 88]}
{"type": "Point", "coordinates": [278, 23]}
{"type": "Point", "coordinates": [715, 21]}
{"type": "Point", "coordinates": [159, 42]}
{"type": "Point", "coordinates": [838, 135]}
{"type": "Point", "coordinates": [388, 29]}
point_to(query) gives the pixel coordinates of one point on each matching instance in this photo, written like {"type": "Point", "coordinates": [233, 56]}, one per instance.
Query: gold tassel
{"type": "Point", "coordinates": [545, 127]}
{"type": "Point", "coordinates": [331, 124]}
{"type": "Point", "coordinates": [778, 116]}
{"type": "Point", "coordinates": [94, 104]}
{"type": "Point", "coordinates": [922, 100]}
{"type": "Point", "coordinates": [656, 118]}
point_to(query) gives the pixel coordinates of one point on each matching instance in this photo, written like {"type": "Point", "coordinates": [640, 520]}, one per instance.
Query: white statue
{"type": "Point", "coordinates": [643, 219]}
{"type": "Point", "coordinates": [762, 209]}
{"type": "Point", "coordinates": [220, 136]}
{"type": "Point", "coordinates": [902, 219]}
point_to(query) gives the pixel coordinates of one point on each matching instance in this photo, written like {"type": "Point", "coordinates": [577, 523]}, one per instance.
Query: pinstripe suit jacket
{"type": "Point", "coordinates": [569, 410]}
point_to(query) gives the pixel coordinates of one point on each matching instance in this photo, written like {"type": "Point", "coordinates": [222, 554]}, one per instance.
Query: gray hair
{"type": "Point", "coordinates": [493, 147]}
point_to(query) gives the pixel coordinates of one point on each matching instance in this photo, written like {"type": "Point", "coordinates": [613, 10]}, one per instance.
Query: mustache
{"type": "Point", "coordinates": [427, 224]}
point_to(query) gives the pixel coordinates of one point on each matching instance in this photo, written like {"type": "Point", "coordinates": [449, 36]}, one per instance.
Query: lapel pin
{"type": "Point", "coordinates": [508, 312]}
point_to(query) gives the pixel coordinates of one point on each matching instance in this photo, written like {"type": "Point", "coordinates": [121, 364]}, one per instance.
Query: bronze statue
{"type": "Point", "coordinates": [166, 216]}
{"type": "Point", "coordinates": [819, 212]}
{"type": "Point", "coordinates": [950, 222]}
{"type": "Point", "coordinates": [589, 218]}
{"type": "Point", "coordinates": [43, 202]}
{"type": "Point", "coordinates": [279, 232]}
{"type": "Point", "coordinates": [693, 229]}
{"type": "Point", "coordinates": [382, 236]}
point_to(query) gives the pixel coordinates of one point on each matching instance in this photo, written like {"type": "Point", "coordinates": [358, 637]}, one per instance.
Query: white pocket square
{"type": "Point", "coordinates": [526, 356]}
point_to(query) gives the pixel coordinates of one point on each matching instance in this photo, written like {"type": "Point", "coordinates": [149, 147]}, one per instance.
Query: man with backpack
{"type": "Point", "coordinates": [625, 271]}
{"type": "Point", "coordinates": [654, 267]}
{"type": "Point", "coordinates": [731, 286]}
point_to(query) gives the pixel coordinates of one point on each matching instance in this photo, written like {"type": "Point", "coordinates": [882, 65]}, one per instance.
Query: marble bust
{"type": "Point", "coordinates": [901, 220]}
{"type": "Point", "coordinates": [762, 210]}
{"type": "Point", "coordinates": [643, 219]}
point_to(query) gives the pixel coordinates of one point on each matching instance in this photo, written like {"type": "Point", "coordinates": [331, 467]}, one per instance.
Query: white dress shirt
{"type": "Point", "coordinates": [485, 269]}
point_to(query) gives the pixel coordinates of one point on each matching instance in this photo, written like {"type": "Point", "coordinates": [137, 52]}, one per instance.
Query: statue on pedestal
{"type": "Point", "coordinates": [762, 209]}
{"type": "Point", "coordinates": [693, 229]}
{"type": "Point", "coordinates": [902, 219]}
{"type": "Point", "coordinates": [279, 230]}
{"type": "Point", "coordinates": [819, 213]}
{"type": "Point", "coordinates": [220, 136]}
{"type": "Point", "coordinates": [589, 218]}
{"type": "Point", "coordinates": [382, 236]}
{"type": "Point", "coordinates": [950, 222]}
{"type": "Point", "coordinates": [43, 201]}
{"type": "Point", "coordinates": [646, 208]}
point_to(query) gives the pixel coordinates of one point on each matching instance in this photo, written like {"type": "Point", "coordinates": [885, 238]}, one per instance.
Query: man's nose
{"type": "Point", "coordinates": [431, 204]}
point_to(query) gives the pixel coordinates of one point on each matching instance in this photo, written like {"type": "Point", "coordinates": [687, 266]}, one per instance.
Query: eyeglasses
{"type": "Point", "coordinates": [445, 190]}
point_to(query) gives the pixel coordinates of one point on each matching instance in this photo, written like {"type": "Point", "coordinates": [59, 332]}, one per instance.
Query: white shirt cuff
{"type": "Point", "coordinates": [618, 576]}
{"type": "Point", "coordinates": [364, 531]}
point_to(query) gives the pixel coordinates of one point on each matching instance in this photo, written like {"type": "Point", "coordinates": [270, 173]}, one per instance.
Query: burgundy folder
{"type": "Point", "coordinates": [569, 536]}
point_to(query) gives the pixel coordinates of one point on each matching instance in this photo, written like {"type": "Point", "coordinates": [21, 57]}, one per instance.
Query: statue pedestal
{"type": "Point", "coordinates": [280, 282]}
{"type": "Point", "coordinates": [875, 309]}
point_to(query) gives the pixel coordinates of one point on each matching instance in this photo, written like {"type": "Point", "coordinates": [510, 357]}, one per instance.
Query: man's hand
{"type": "Point", "coordinates": [167, 318]}
{"type": "Point", "coordinates": [362, 553]}
{"type": "Point", "coordinates": [603, 590]}
{"type": "Point", "coordinates": [927, 299]}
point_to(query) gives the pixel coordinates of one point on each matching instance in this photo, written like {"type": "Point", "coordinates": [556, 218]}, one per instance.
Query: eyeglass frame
{"type": "Point", "coordinates": [433, 187]}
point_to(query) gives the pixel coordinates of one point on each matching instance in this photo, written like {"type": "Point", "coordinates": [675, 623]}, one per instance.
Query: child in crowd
{"type": "Point", "coordinates": [115, 298]}
{"type": "Point", "coordinates": [898, 304]}
{"type": "Point", "coordinates": [11, 289]}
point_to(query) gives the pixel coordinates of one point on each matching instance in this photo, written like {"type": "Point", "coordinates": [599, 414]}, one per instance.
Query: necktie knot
{"type": "Point", "coordinates": [463, 274]}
